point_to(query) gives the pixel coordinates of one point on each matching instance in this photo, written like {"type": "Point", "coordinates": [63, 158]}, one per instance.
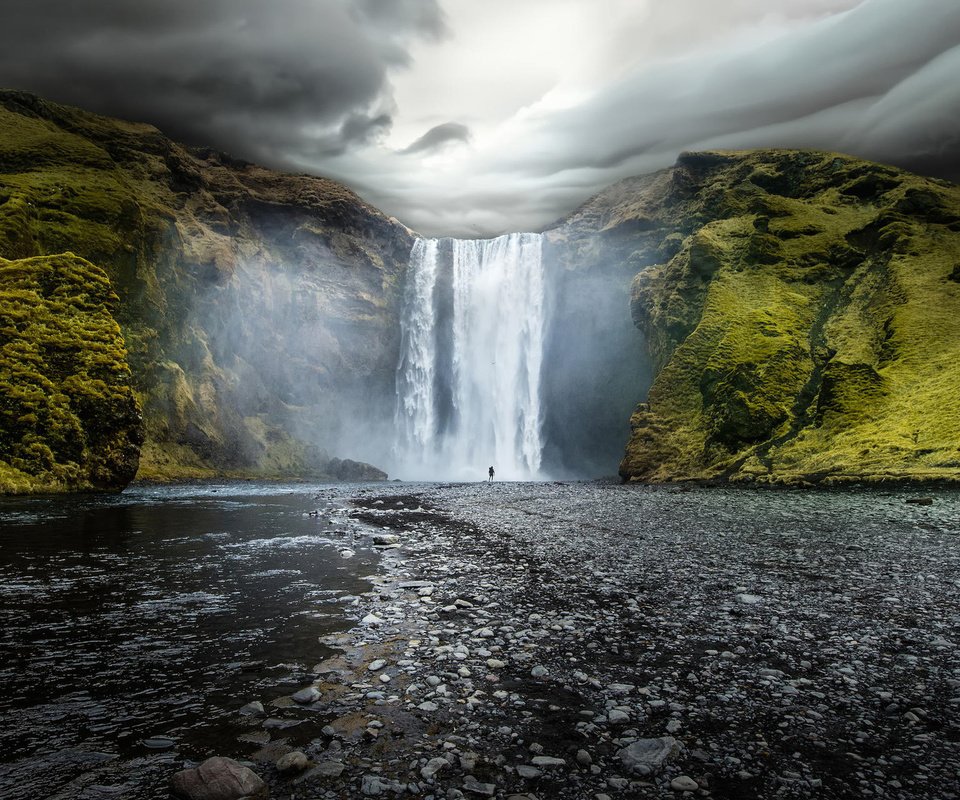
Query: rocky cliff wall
{"type": "Point", "coordinates": [257, 308]}
{"type": "Point", "coordinates": [802, 316]}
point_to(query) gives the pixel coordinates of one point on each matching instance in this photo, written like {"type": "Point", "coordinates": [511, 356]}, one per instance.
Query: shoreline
{"type": "Point", "coordinates": [517, 670]}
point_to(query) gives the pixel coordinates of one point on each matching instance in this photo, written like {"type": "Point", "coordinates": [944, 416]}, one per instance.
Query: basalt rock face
{"type": "Point", "coordinates": [258, 308]}
{"type": "Point", "coordinates": [802, 317]}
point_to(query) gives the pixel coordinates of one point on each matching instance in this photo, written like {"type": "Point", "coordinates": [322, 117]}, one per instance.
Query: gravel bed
{"type": "Point", "coordinates": [592, 640]}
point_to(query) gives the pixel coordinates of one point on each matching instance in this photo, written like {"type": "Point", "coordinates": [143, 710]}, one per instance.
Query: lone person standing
{"type": "Point", "coordinates": [490, 474]}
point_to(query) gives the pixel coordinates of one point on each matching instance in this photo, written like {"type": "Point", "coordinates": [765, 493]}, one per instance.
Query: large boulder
{"type": "Point", "coordinates": [219, 779]}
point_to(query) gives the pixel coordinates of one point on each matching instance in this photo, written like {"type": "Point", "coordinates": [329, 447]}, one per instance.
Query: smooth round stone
{"type": "Point", "coordinates": [308, 695]}
{"type": "Point", "coordinates": [256, 707]}
{"type": "Point", "coordinates": [684, 783]}
{"type": "Point", "coordinates": [292, 762]}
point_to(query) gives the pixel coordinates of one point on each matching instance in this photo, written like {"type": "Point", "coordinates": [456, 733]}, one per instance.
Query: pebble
{"type": "Point", "coordinates": [306, 696]}
{"type": "Point", "coordinates": [294, 761]}
{"type": "Point", "coordinates": [683, 783]}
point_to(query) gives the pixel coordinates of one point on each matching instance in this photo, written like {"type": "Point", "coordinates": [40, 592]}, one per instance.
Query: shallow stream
{"type": "Point", "coordinates": [130, 620]}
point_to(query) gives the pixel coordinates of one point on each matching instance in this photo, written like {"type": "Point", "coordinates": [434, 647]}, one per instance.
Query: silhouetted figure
{"type": "Point", "coordinates": [490, 474]}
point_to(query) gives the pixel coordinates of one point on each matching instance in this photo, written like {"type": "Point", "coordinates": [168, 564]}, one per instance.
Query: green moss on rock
{"type": "Point", "coordinates": [206, 253]}
{"type": "Point", "coordinates": [802, 317]}
{"type": "Point", "coordinates": [68, 416]}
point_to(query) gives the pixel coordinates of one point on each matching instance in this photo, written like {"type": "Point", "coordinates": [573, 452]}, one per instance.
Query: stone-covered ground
{"type": "Point", "coordinates": [586, 641]}
{"type": "Point", "coordinates": [527, 640]}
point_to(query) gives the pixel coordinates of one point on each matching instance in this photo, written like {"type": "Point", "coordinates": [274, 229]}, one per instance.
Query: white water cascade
{"type": "Point", "coordinates": [468, 381]}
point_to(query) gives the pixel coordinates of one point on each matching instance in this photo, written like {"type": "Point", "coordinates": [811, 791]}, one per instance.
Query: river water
{"type": "Point", "coordinates": [127, 620]}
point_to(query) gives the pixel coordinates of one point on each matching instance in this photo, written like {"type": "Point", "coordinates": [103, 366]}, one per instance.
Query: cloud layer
{"type": "Point", "coordinates": [460, 122]}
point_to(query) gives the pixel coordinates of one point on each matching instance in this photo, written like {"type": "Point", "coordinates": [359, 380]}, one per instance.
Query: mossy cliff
{"type": "Point", "coordinates": [802, 313]}
{"type": "Point", "coordinates": [68, 416]}
{"type": "Point", "coordinates": [257, 308]}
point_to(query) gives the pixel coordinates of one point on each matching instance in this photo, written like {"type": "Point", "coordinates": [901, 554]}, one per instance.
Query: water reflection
{"type": "Point", "coordinates": [157, 613]}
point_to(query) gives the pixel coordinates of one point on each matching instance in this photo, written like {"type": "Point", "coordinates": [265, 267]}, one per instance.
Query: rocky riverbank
{"type": "Point", "coordinates": [591, 641]}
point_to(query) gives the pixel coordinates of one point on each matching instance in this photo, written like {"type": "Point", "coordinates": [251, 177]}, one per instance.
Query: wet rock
{"type": "Point", "coordinates": [472, 785]}
{"type": "Point", "coordinates": [251, 709]}
{"type": "Point", "coordinates": [293, 762]}
{"type": "Point", "coordinates": [330, 769]}
{"type": "Point", "coordinates": [647, 756]}
{"type": "Point", "coordinates": [219, 779]}
{"type": "Point", "coordinates": [306, 696]}
{"type": "Point", "coordinates": [528, 772]}
{"type": "Point", "coordinates": [371, 786]}
{"type": "Point", "coordinates": [433, 766]}
{"type": "Point", "coordinates": [684, 783]}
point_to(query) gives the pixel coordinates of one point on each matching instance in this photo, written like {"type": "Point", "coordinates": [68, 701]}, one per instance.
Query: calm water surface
{"type": "Point", "coordinates": [160, 611]}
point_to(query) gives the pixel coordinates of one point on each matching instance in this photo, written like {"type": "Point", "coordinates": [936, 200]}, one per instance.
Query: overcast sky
{"type": "Point", "coordinates": [469, 117]}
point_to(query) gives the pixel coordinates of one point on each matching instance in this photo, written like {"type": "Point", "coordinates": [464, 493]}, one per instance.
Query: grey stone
{"type": "Point", "coordinates": [294, 761]}
{"type": "Point", "coordinates": [433, 766]}
{"type": "Point", "coordinates": [647, 756]}
{"type": "Point", "coordinates": [683, 783]}
{"type": "Point", "coordinates": [528, 772]}
{"type": "Point", "coordinates": [472, 785]}
{"type": "Point", "coordinates": [219, 779]}
{"type": "Point", "coordinates": [330, 769]}
{"type": "Point", "coordinates": [306, 696]}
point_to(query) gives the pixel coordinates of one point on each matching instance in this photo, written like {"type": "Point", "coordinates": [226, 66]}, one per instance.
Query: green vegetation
{"type": "Point", "coordinates": [68, 416]}
{"type": "Point", "coordinates": [808, 327]}
{"type": "Point", "coordinates": [197, 246]}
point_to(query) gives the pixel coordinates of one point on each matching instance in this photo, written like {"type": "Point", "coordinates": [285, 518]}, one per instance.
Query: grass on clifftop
{"type": "Point", "coordinates": [807, 330]}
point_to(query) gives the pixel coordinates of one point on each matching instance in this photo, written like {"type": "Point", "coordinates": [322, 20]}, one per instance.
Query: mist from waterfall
{"type": "Point", "coordinates": [472, 343]}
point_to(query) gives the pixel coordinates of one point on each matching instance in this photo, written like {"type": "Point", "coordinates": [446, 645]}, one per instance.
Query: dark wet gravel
{"type": "Point", "coordinates": [788, 644]}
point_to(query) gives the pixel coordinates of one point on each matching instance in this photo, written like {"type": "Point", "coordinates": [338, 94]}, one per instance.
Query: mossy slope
{"type": "Point", "coordinates": [802, 311]}
{"type": "Point", "coordinates": [215, 261]}
{"type": "Point", "coordinates": [68, 416]}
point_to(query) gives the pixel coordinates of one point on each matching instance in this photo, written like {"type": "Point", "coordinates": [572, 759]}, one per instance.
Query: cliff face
{"type": "Point", "coordinates": [257, 308]}
{"type": "Point", "coordinates": [802, 314]}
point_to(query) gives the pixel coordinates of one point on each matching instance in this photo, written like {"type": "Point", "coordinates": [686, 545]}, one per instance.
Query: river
{"type": "Point", "coordinates": [144, 620]}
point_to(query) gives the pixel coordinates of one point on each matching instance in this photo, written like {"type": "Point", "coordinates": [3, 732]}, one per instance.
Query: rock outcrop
{"type": "Point", "coordinates": [257, 307]}
{"type": "Point", "coordinates": [68, 416]}
{"type": "Point", "coordinates": [802, 314]}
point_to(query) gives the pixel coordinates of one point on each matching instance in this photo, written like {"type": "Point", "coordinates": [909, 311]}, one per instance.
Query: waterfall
{"type": "Point", "coordinates": [468, 379]}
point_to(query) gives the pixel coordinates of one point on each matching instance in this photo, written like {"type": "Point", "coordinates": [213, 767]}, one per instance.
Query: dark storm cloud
{"type": "Point", "coordinates": [416, 16]}
{"type": "Point", "coordinates": [437, 137]}
{"type": "Point", "coordinates": [878, 81]}
{"type": "Point", "coordinates": [263, 80]}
